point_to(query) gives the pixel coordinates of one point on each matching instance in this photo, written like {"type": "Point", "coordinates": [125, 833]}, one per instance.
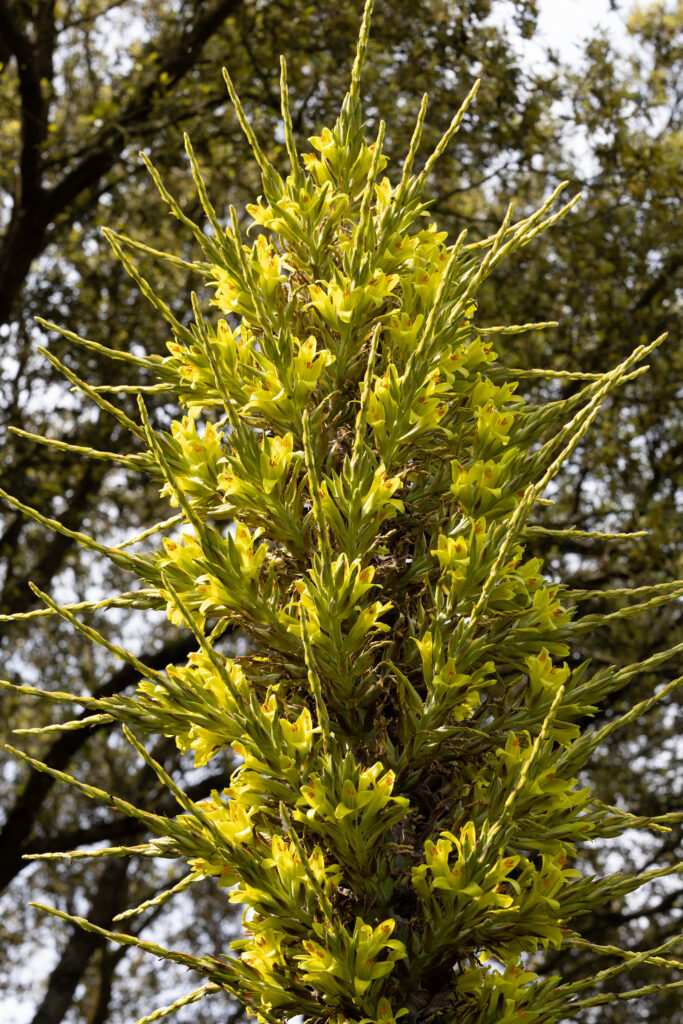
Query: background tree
{"type": "Point", "coordinates": [82, 89]}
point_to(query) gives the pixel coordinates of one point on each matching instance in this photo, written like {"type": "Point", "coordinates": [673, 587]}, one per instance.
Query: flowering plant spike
{"type": "Point", "coordinates": [354, 482]}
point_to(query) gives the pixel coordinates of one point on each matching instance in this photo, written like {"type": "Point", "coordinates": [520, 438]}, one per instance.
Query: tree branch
{"type": "Point", "coordinates": [81, 945]}
{"type": "Point", "coordinates": [21, 817]}
{"type": "Point", "coordinates": [121, 828]}
{"type": "Point", "coordinates": [33, 63]}
{"type": "Point", "coordinates": [25, 237]}
{"type": "Point", "coordinates": [664, 277]}
{"type": "Point", "coordinates": [16, 596]}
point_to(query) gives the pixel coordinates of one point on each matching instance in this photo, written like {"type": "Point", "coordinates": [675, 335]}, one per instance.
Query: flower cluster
{"type": "Point", "coordinates": [356, 475]}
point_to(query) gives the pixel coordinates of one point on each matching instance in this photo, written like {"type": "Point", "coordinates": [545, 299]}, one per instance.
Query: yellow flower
{"type": "Point", "coordinates": [452, 553]}
{"type": "Point", "coordinates": [308, 365]}
{"type": "Point", "coordinates": [298, 735]}
{"type": "Point", "coordinates": [340, 304]}
{"type": "Point", "coordinates": [544, 676]}
{"type": "Point", "coordinates": [379, 497]}
{"type": "Point", "coordinates": [429, 407]}
{"type": "Point", "coordinates": [267, 267]}
{"type": "Point", "coordinates": [325, 143]}
{"type": "Point", "coordinates": [404, 331]}
{"type": "Point", "coordinates": [367, 620]}
{"type": "Point", "coordinates": [275, 457]}
{"type": "Point", "coordinates": [250, 560]}
{"type": "Point", "coordinates": [232, 295]}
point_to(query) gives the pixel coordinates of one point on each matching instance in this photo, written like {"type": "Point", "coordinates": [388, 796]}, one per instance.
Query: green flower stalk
{"type": "Point", "coordinates": [354, 479]}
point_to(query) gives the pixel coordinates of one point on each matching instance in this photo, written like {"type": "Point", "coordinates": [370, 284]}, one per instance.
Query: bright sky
{"type": "Point", "coordinates": [565, 24]}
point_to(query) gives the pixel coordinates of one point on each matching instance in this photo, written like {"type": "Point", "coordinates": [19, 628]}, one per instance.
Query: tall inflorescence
{"type": "Point", "coordinates": [355, 480]}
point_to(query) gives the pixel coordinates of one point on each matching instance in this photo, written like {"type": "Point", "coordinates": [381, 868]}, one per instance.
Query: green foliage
{"type": "Point", "coordinates": [407, 803]}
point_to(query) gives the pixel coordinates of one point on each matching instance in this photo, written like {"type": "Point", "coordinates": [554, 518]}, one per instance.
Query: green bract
{"type": "Point", "coordinates": [355, 479]}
